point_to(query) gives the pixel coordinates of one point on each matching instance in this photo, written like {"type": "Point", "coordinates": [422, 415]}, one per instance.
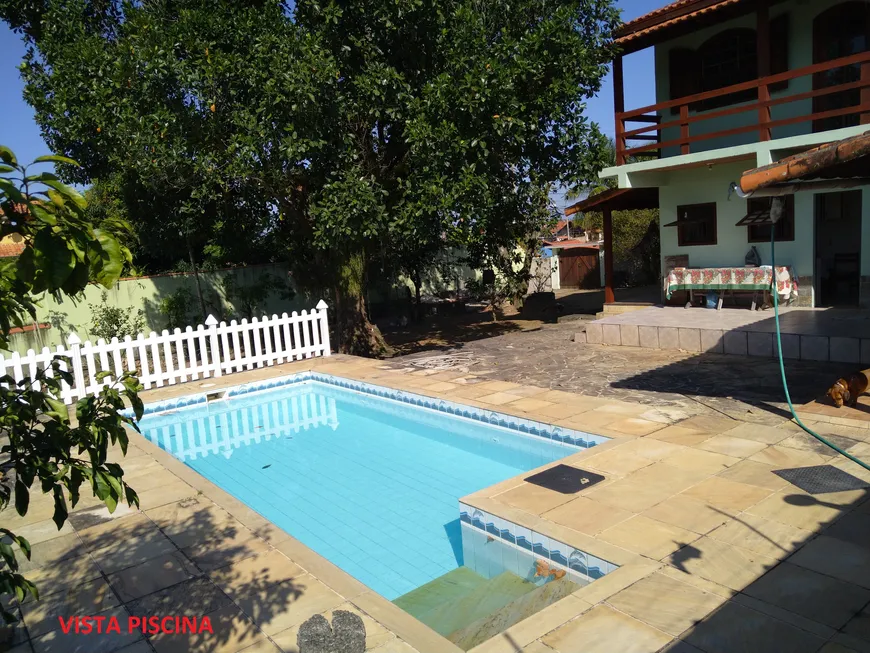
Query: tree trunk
{"type": "Point", "coordinates": [196, 277]}
{"type": "Point", "coordinates": [356, 335]}
{"type": "Point", "coordinates": [415, 278]}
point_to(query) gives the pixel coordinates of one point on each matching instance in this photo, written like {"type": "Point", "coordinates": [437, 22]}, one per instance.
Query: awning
{"type": "Point", "coordinates": [847, 160]}
{"type": "Point", "coordinates": [618, 199]}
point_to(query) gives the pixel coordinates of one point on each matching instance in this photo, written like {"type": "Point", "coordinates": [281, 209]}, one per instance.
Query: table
{"type": "Point", "coordinates": [754, 279]}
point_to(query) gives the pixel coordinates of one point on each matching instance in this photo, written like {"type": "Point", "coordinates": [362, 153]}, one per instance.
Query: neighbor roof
{"type": "Point", "coordinates": [618, 199]}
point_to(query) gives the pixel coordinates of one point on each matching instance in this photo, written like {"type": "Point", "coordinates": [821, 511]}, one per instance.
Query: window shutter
{"type": "Point", "coordinates": [779, 49]}
{"type": "Point", "coordinates": [684, 74]}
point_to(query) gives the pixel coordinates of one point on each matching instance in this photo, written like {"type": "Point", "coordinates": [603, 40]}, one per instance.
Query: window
{"type": "Point", "coordinates": [696, 224]}
{"type": "Point", "coordinates": [728, 58]}
{"type": "Point", "coordinates": [760, 233]}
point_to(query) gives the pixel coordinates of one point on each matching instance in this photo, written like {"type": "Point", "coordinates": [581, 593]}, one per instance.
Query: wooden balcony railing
{"type": "Point", "coordinates": [762, 126]}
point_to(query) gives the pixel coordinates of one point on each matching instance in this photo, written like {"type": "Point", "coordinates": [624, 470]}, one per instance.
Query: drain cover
{"type": "Point", "coordinates": [820, 479]}
{"type": "Point", "coordinates": [565, 479]}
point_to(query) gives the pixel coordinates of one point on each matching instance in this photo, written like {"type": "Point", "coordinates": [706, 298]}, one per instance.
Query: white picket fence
{"type": "Point", "coordinates": [211, 350]}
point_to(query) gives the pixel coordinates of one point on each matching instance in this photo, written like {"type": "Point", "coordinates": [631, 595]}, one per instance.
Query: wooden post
{"type": "Point", "coordinates": [684, 128]}
{"type": "Point", "coordinates": [608, 256]}
{"type": "Point", "coordinates": [763, 55]}
{"type": "Point", "coordinates": [618, 108]}
{"type": "Point", "coordinates": [865, 92]}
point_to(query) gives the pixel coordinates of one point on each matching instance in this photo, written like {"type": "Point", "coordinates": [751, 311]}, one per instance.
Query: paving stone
{"type": "Point", "coordinates": [814, 348]}
{"type": "Point", "coordinates": [713, 341]}
{"type": "Point", "coordinates": [604, 630]}
{"type": "Point", "coordinates": [152, 575]}
{"type": "Point", "coordinates": [629, 335]}
{"type": "Point", "coordinates": [610, 334]}
{"type": "Point", "coordinates": [594, 334]}
{"type": "Point", "coordinates": [791, 346]}
{"type": "Point", "coordinates": [759, 344]}
{"type": "Point", "coordinates": [649, 336]}
{"type": "Point", "coordinates": [669, 338]}
{"type": "Point", "coordinates": [690, 339]}
{"type": "Point", "coordinates": [845, 350]}
{"type": "Point", "coordinates": [58, 642]}
{"type": "Point", "coordinates": [736, 343]}
{"type": "Point", "coordinates": [92, 597]}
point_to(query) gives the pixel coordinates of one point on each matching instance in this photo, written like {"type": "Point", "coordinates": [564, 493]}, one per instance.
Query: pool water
{"type": "Point", "coordinates": [370, 483]}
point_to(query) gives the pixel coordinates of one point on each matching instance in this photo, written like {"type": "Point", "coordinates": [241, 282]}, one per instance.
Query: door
{"type": "Point", "coordinates": [578, 268]}
{"type": "Point", "coordinates": [837, 274]}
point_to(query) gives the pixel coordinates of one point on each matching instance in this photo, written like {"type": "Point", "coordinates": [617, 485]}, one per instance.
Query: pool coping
{"type": "Point", "coordinates": [630, 567]}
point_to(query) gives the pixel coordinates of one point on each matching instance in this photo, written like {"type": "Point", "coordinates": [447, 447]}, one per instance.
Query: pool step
{"type": "Point", "coordinates": [483, 600]}
{"type": "Point", "coordinates": [444, 589]}
{"type": "Point", "coordinates": [520, 608]}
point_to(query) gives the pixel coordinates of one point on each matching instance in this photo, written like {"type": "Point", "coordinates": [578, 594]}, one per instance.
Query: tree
{"type": "Point", "coordinates": [337, 131]}
{"type": "Point", "coordinates": [42, 449]}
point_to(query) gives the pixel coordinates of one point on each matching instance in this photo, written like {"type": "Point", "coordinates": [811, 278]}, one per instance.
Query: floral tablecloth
{"type": "Point", "coordinates": [746, 279]}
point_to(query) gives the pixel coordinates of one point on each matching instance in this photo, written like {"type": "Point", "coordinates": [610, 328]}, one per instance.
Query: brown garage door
{"type": "Point", "coordinates": [578, 268]}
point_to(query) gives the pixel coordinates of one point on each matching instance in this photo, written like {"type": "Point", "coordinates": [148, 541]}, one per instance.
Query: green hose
{"type": "Point", "coordinates": [782, 364]}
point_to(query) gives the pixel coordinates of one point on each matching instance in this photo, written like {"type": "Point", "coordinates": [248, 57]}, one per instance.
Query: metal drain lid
{"type": "Point", "coordinates": [565, 479]}
{"type": "Point", "coordinates": [820, 479]}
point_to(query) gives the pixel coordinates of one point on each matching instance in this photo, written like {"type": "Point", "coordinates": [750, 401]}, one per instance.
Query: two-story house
{"type": "Point", "coordinates": [742, 84]}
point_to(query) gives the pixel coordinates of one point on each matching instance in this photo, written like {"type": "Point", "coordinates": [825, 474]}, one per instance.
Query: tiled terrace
{"type": "Point", "coordinates": [716, 553]}
{"type": "Point", "coordinates": [838, 335]}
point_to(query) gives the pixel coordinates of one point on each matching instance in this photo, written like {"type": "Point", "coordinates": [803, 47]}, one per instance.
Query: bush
{"type": "Point", "coordinates": [176, 308]}
{"type": "Point", "coordinates": [109, 322]}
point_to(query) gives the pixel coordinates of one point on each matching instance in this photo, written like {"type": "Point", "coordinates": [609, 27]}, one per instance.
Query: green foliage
{"type": "Point", "coordinates": [176, 308]}
{"type": "Point", "coordinates": [327, 134]}
{"type": "Point", "coordinates": [43, 449]}
{"type": "Point", "coordinates": [250, 299]}
{"type": "Point", "coordinates": [109, 321]}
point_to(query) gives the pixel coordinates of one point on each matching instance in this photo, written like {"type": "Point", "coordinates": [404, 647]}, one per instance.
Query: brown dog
{"type": "Point", "coordinates": [847, 392]}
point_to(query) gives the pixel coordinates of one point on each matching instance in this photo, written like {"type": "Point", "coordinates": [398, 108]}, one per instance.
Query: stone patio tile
{"type": "Point", "coordinates": [169, 493]}
{"type": "Point", "coordinates": [618, 462]}
{"type": "Point", "coordinates": [648, 537]}
{"type": "Point", "coordinates": [764, 536]}
{"type": "Point", "coordinates": [533, 498]}
{"type": "Point", "coordinates": [753, 473]}
{"type": "Point", "coordinates": [814, 348]}
{"type": "Point", "coordinates": [213, 554]}
{"type": "Point", "coordinates": [470, 391]}
{"type": "Point", "coordinates": [701, 461]}
{"type": "Point", "coordinates": [791, 618]}
{"type": "Point", "coordinates": [259, 571]}
{"type": "Point", "coordinates": [845, 350]}
{"type": "Point", "coordinates": [604, 630]}
{"type": "Point", "coordinates": [131, 549]}
{"type": "Point", "coordinates": [629, 335]}
{"type": "Point", "coordinates": [655, 450]}
{"type": "Point", "coordinates": [806, 442]}
{"type": "Point", "coordinates": [690, 339]}
{"type": "Point", "coordinates": [791, 506]}
{"type": "Point", "coordinates": [666, 478]}
{"type": "Point", "coordinates": [440, 386]}
{"type": "Point", "coordinates": [681, 435]}
{"type": "Point", "coordinates": [688, 513]}
{"type": "Point", "coordinates": [859, 628]}
{"type": "Point", "coordinates": [628, 495]}
{"type": "Point", "coordinates": [43, 531]}
{"type": "Point", "coordinates": [56, 578]}
{"type": "Point", "coordinates": [530, 404]}
{"type": "Point", "coordinates": [528, 391]}
{"type": "Point", "coordinates": [263, 646]}
{"type": "Point", "coordinates": [725, 564]}
{"type": "Point", "coordinates": [649, 336]}
{"type": "Point", "coordinates": [50, 552]}
{"type": "Point", "coordinates": [833, 557]}
{"type": "Point", "coordinates": [669, 338]}
{"type": "Point", "coordinates": [709, 424]}
{"type": "Point", "coordinates": [592, 420]}
{"type": "Point", "coordinates": [635, 426]}
{"type": "Point", "coordinates": [586, 515]}
{"type": "Point", "coordinates": [501, 386]}
{"type": "Point", "coordinates": [571, 398]}
{"type": "Point", "coordinates": [376, 634]}
{"type": "Point", "coordinates": [810, 594]}
{"type": "Point", "coordinates": [594, 333]}
{"type": "Point", "coordinates": [233, 632]}
{"type": "Point", "coordinates": [101, 534]}
{"type": "Point", "coordinates": [89, 598]}
{"type": "Point", "coordinates": [786, 457]}
{"type": "Point", "coordinates": [727, 495]}
{"type": "Point", "coordinates": [733, 627]}
{"type": "Point", "coordinates": [610, 334]}
{"type": "Point", "coordinates": [498, 398]}
{"type": "Point", "coordinates": [153, 575]}
{"type": "Point", "coordinates": [288, 603]}
{"type": "Point", "coordinates": [58, 642]}
{"type": "Point", "coordinates": [666, 603]}
{"type": "Point", "coordinates": [83, 518]}
{"type": "Point", "coordinates": [735, 343]}
{"type": "Point", "coordinates": [759, 344]}
{"type": "Point", "coordinates": [853, 527]}
{"type": "Point", "coordinates": [562, 411]}
{"type": "Point", "coordinates": [196, 596]}
{"type": "Point", "coordinates": [713, 341]}
{"type": "Point", "coordinates": [396, 646]}
{"type": "Point", "coordinates": [732, 446]}
{"type": "Point", "coordinates": [187, 521]}
{"type": "Point", "coordinates": [622, 408]}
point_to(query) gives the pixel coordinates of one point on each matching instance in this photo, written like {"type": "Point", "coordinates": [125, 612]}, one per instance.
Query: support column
{"type": "Point", "coordinates": [618, 108]}
{"type": "Point", "coordinates": [762, 47]}
{"type": "Point", "coordinates": [608, 257]}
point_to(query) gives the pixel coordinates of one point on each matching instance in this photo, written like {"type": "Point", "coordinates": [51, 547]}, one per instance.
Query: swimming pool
{"type": "Point", "coordinates": [369, 478]}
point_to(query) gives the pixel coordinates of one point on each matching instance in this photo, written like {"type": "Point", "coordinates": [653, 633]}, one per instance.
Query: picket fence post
{"type": "Point", "coordinates": [80, 388]}
{"type": "Point", "coordinates": [324, 327]}
{"type": "Point", "coordinates": [212, 324]}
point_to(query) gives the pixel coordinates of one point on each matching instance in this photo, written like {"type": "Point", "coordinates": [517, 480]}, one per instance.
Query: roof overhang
{"type": "Point", "coordinates": [845, 162]}
{"type": "Point", "coordinates": [618, 199]}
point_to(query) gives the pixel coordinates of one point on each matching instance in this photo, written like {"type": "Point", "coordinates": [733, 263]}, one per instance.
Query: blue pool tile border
{"type": "Point", "coordinates": [573, 561]}
{"type": "Point", "coordinates": [573, 437]}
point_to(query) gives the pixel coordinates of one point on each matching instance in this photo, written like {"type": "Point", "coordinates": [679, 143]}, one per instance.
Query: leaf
{"type": "Point", "coordinates": [6, 168]}
{"type": "Point", "coordinates": [59, 408]}
{"type": "Point", "coordinates": [53, 259]}
{"type": "Point", "coordinates": [7, 155]}
{"type": "Point", "coordinates": [60, 510]}
{"type": "Point", "coordinates": [67, 191]}
{"type": "Point", "coordinates": [24, 544]}
{"type": "Point", "coordinates": [22, 497]}
{"type": "Point", "coordinates": [56, 158]}
{"type": "Point", "coordinates": [106, 269]}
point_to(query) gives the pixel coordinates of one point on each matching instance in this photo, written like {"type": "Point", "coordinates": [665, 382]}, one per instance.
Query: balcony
{"type": "Point", "coordinates": [841, 94]}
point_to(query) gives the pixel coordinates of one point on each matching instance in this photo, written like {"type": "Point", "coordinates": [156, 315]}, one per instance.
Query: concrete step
{"type": "Point", "coordinates": [445, 589]}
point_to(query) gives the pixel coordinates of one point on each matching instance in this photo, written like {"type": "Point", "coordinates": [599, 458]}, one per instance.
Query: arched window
{"type": "Point", "coordinates": [840, 31]}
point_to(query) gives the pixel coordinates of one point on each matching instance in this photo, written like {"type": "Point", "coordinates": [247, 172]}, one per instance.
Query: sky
{"type": "Point", "coordinates": [19, 131]}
